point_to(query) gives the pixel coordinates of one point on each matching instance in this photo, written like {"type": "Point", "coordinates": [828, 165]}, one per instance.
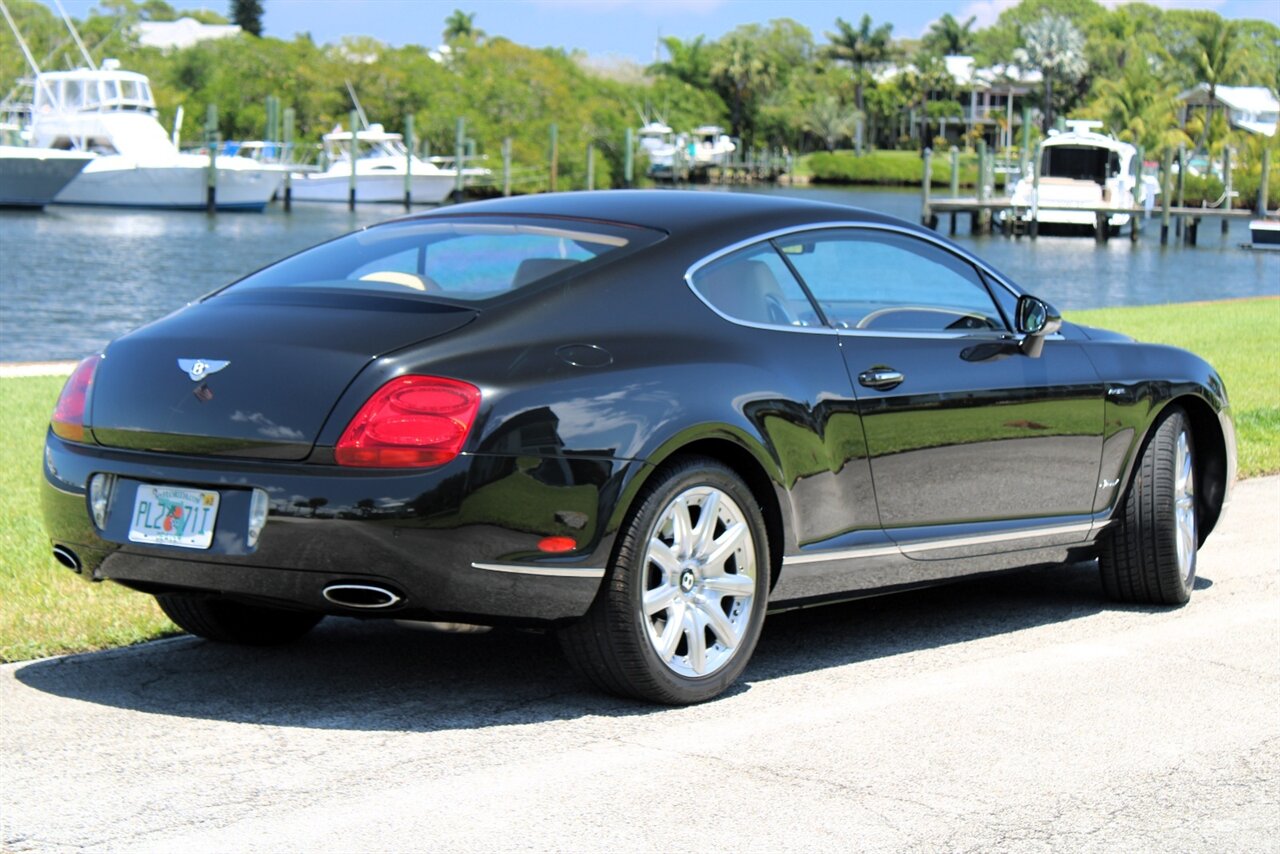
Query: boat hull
{"type": "Point", "coordinates": [171, 187]}
{"type": "Point", "coordinates": [1265, 234]}
{"type": "Point", "coordinates": [427, 189]}
{"type": "Point", "coordinates": [30, 178]}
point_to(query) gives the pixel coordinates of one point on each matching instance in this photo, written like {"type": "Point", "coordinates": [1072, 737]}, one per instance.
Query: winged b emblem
{"type": "Point", "coordinates": [198, 369]}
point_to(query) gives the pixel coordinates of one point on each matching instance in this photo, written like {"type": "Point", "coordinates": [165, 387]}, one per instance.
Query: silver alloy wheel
{"type": "Point", "coordinates": [1184, 506]}
{"type": "Point", "coordinates": [699, 581]}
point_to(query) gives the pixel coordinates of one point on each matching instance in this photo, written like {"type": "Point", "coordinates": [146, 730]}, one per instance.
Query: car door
{"type": "Point", "coordinates": [975, 447]}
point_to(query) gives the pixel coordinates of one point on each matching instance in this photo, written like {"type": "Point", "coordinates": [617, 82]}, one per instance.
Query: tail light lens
{"type": "Point", "coordinates": [411, 422]}
{"type": "Point", "coordinates": [68, 413]}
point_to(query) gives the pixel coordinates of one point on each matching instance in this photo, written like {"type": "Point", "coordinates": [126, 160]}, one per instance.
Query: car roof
{"type": "Point", "coordinates": [674, 211]}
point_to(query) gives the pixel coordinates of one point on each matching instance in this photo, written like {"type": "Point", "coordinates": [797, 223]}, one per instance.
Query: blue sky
{"type": "Point", "coordinates": [623, 28]}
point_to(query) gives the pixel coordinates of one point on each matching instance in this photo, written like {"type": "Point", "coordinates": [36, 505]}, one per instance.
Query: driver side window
{"type": "Point", "coordinates": [884, 281]}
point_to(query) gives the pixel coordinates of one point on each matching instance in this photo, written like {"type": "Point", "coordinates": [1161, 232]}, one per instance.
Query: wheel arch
{"type": "Point", "coordinates": [1211, 458]}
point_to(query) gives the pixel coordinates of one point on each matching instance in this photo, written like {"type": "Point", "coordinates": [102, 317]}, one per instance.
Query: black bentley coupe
{"type": "Point", "coordinates": [641, 420]}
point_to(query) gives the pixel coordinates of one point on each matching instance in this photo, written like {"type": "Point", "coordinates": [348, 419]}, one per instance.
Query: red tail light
{"type": "Point", "coordinates": [411, 422]}
{"type": "Point", "coordinates": [68, 414]}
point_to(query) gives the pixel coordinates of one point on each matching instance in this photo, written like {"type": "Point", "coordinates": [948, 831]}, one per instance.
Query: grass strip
{"type": "Point", "coordinates": [45, 610]}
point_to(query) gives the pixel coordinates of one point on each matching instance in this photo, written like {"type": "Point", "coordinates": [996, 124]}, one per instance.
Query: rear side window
{"type": "Point", "coordinates": [756, 286]}
{"type": "Point", "coordinates": [469, 260]}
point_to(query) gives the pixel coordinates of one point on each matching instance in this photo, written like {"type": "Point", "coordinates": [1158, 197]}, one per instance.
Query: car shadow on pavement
{"type": "Point", "coordinates": [378, 676]}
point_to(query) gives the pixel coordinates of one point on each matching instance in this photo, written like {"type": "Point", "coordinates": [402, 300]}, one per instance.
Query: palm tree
{"type": "Point", "coordinates": [1140, 108]}
{"type": "Point", "coordinates": [860, 48]}
{"type": "Point", "coordinates": [949, 37]}
{"type": "Point", "coordinates": [742, 72]}
{"type": "Point", "coordinates": [829, 119]}
{"type": "Point", "coordinates": [1055, 48]}
{"type": "Point", "coordinates": [688, 61]}
{"type": "Point", "coordinates": [1217, 61]}
{"type": "Point", "coordinates": [461, 26]}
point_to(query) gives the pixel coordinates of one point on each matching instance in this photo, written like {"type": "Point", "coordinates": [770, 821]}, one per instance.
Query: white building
{"type": "Point", "coordinates": [181, 33]}
{"type": "Point", "coordinates": [1251, 108]}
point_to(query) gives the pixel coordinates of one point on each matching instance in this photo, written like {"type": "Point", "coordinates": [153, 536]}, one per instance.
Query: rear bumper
{"type": "Point", "coordinates": [458, 542]}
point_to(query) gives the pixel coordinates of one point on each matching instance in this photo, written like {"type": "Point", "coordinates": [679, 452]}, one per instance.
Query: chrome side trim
{"type": "Point", "coordinates": [548, 571]}
{"type": "Point", "coordinates": [941, 543]}
{"type": "Point", "coordinates": [841, 554]}
{"type": "Point", "coordinates": [1003, 536]}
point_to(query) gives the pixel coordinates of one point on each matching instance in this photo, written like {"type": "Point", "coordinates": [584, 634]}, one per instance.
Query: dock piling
{"type": "Point", "coordinates": [408, 161]}
{"type": "Point", "coordinates": [1181, 224]}
{"type": "Point", "coordinates": [286, 157]}
{"type": "Point", "coordinates": [1266, 179]}
{"type": "Point", "coordinates": [927, 219]}
{"type": "Point", "coordinates": [459, 156]}
{"type": "Point", "coordinates": [983, 216]}
{"type": "Point", "coordinates": [555, 148]}
{"type": "Point", "coordinates": [629, 163]}
{"type": "Point", "coordinates": [955, 183]}
{"type": "Point", "coordinates": [355, 150]}
{"type": "Point", "coordinates": [506, 166]}
{"type": "Point", "coordinates": [1226, 180]}
{"type": "Point", "coordinates": [211, 142]}
{"type": "Point", "coordinates": [1035, 192]}
{"type": "Point", "coordinates": [591, 165]}
{"type": "Point", "coordinates": [1166, 188]}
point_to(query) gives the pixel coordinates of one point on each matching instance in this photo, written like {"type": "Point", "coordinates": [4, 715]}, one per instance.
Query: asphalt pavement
{"type": "Point", "coordinates": [1020, 713]}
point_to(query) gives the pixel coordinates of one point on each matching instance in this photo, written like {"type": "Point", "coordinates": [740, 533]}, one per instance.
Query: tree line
{"type": "Point", "coordinates": [774, 85]}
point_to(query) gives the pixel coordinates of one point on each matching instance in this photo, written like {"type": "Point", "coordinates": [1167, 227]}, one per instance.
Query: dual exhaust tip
{"type": "Point", "coordinates": [68, 558]}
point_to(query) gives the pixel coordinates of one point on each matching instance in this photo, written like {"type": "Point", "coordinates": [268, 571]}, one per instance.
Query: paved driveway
{"type": "Point", "coordinates": [1022, 713]}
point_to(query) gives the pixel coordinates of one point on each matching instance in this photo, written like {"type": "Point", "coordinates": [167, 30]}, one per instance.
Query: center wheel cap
{"type": "Point", "coordinates": [687, 580]}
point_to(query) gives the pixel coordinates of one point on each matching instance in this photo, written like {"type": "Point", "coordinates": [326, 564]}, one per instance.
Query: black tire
{"type": "Point", "coordinates": [219, 619]}
{"type": "Point", "coordinates": [612, 646]}
{"type": "Point", "coordinates": [1140, 560]}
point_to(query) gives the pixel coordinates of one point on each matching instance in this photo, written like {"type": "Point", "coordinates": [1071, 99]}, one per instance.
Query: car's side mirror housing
{"type": "Point", "coordinates": [1036, 319]}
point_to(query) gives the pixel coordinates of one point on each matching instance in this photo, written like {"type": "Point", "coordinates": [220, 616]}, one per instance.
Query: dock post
{"type": "Point", "coordinates": [355, 151]}
{"type": "Point", "coordinates": [459, 156]}
{"type": "Point", "coordinates": [211, 141]}
{"type": "Point", "coordinates": [629, 159]}
{"type": "Point", "coordinates": [1266, 179]}
{"type": "Point", "coordinates": [1101, 227]}
{"type": "Point", "coordinates": [408, 161]}
{"type": "Point", "coordinates": [286, 157]}
{"type": "Point", "coordinates": [1166, 189]}
{"type": "Point", "coordinates": [926, 210]}
{"type": "Point", "coordinates": [506, 166]}
{"type": "Point", "coordinates": [1035, 192]}
{"type": "Point", "coordinates": [1025, 151]}
{"type": "Point", "coordinates": [1226, 180]}
{"type": "Point", "coordinates": [984, 215]}
{"type": "Point", "coordinates": [955, 183]}
{"type": "Point", "coordinates": [1137, 194]}
{"type": "Point", "coordinates": [1180, 226]}
{"type": "Point", "coordinates": [591, 165]}
{"type": "Point", "coordinates": [555, 150]}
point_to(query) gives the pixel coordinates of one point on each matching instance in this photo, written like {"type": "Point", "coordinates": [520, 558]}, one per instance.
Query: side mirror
{"type": "Point", "coordinates": [1036, 319]}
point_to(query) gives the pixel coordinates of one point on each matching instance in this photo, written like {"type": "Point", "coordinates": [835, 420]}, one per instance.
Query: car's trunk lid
{"type": "Point", "coordinates": [289, 354]}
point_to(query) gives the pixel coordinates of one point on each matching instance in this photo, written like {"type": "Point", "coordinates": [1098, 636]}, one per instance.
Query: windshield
{"type": "Point", "coordinates": [462, 259]}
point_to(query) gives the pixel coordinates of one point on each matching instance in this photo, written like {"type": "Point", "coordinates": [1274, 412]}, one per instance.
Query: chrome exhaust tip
{"type": "Point", "coordinates": [367, 597]}
{"type": "Point", "coordinates": [67, 558]}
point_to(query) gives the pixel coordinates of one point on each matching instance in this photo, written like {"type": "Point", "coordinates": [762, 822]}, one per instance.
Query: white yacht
{"type": "Point", "coordinates": [381, 160]}
{"type": "Point", "coordinates": [31, 177]}
{"type": "Point", "coordinates": [659, 144]}
{"type": "Point", "coordinates": [112, 114]}
{"type": "Point", "coordinates": [710, 146]}
{"type": "Point", "coordinates": [1080, 168]}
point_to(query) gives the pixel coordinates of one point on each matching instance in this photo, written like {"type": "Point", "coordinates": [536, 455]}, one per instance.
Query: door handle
{"type": "Point", "coordinates": [881, 378]}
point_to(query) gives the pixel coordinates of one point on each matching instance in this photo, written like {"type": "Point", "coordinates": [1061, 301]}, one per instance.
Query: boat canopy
{"type": "Point", "coordinates": [88, 90]}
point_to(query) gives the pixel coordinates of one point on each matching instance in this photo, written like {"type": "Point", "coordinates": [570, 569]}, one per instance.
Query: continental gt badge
{"type": "Point", "coordinates": [198, 369]}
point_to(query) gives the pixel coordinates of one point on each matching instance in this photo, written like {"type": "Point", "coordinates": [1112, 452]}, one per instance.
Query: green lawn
{"type": "Point", "coordinates": [45, 610]}
{"type": "Point", "coordinates": [1241, 338]}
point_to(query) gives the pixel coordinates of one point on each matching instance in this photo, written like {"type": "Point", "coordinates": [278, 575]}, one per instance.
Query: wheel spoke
{"type": "Point", "coordinates": [659, 598]}
{"type": "Point", "coordinates": [730, 585]}
{"type": "Point", "coordinates": [661, 554]}
{"type": "Point", "coordinates": [681, 528]}
{"type": "Point", "coordinates": [720, 624]}
{"type": "Point", "coordinates": [671, 634]}
{"type": "Point", "coordinates": [726, 546]}
{"type": "Point", "coordinates": [704, 534]}
{"type": "Point", "coordinates": [695, 633]}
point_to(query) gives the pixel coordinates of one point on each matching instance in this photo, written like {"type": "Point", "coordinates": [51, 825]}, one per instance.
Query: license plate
{"type": "Point", "coordinates": [174, 516]}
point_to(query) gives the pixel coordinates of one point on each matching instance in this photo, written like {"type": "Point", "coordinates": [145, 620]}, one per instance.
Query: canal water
{"type": "Point", "coordinates": [71, 279]}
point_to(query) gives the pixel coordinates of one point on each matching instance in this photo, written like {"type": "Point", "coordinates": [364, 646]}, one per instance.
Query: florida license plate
{"type": "Point", "coordinates": [174, 516]}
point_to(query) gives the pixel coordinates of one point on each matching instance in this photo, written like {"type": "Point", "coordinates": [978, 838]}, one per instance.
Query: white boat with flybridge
{"type": "Point", "coordinates": [1081, 168]}
{"type": "Point", "coordinates": [31, 177]}
{"type": "Point", "coordinates": [710, 146]}
{"type": "Point", "coordinates": [111, 113]}
{"type": "Point", "coordinates": [381, 164]}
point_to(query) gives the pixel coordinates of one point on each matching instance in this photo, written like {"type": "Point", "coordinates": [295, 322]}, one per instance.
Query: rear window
{"type": "Point", "coordinates": [461, 259]}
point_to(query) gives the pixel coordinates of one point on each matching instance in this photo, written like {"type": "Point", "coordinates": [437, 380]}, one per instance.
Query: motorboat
{"type": "Point", "coordinates": [710, 146]}
{"type": "Point", "coordinates": [659, 144]}
{"type": "Point", "coordinates": [1081, 168]}
{"type": "Point", "coordinates": [31, 177]}
{"type": "Point", "coordinates": [1265, 234]}
{"type": "Point", "coordinates": [381, 163]}
{"type": "Point", "coordinates": [111, 114]}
